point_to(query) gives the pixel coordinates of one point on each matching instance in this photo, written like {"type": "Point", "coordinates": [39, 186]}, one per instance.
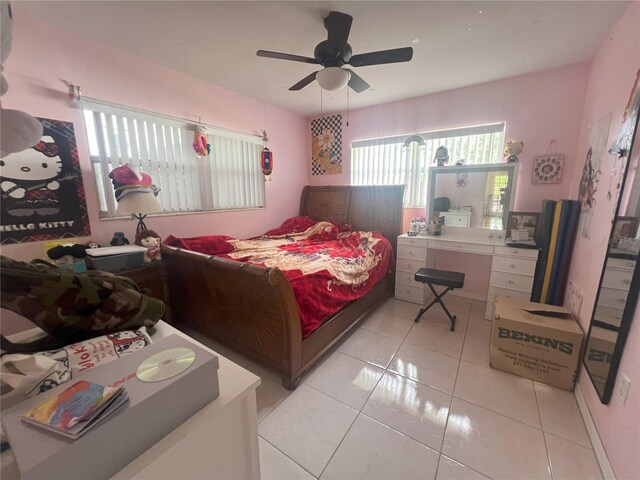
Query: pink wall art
{"type": "Point", "coordinates": [42, 192]}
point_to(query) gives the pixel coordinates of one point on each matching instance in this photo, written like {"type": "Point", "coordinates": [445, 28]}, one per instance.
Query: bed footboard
{"type": "Point", "coordinates": [251, 309]}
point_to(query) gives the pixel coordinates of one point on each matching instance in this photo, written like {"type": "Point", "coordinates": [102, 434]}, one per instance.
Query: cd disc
{"type": "Point", "coordinates": [165, 364]}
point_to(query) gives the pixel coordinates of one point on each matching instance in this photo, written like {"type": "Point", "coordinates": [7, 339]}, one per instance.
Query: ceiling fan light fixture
{"type": "Point", "coordinates": [333, 78]}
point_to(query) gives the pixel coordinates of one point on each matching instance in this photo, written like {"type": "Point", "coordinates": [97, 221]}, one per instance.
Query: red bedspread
{"type": "Point", "coordinates": [327, 264]}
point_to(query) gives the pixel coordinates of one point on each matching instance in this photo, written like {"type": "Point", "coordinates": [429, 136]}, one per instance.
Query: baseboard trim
{"type": "Point", "coordinates": [598, 448]}
{"type": "Point", "coordinates": [473, 296]}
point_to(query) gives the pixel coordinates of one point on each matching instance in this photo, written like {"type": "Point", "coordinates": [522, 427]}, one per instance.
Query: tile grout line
{"type": "Point", "coordinates": [363, 405]}
{"type": "Point", "coordinates": [544, 438]}
{"type": "Point", "coordinates": [446, 424]}
{"type": "Point", "coordinates": [260, 436]}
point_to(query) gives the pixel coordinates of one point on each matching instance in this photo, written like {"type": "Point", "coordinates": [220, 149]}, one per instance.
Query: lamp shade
{"type": "Point", "coordinates": [139, 202]}
{"type": "Point", "coordinates": [333, 78]}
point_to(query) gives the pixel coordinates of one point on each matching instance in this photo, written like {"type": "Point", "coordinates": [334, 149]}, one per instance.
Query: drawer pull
{"type": "Point", "coordinates": [515, 251]}
{"type": "Point", "coordinates": [626, 281]}
{"type": "Point", "coordinates": [631, 264]}
{"type": "Point", "coordinates": [513, 265]}
{"type": "Point", "coordinates": [510, 282]}
{"type": "Point", "coordinates": [622, 300]}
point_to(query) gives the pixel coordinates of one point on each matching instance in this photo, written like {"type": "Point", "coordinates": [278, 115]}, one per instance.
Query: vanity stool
{"type": "Point", "coordinates": [431, 277]}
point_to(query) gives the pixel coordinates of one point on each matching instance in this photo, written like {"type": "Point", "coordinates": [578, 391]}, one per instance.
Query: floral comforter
{"type": "Point", "coordinates": [327, 264]}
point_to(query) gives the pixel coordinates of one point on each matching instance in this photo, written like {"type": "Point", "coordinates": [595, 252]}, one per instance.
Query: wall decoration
{"type": "Point", "coordinates": [42, 192]}
{"type": "Point", "coordinates": [326, 145]}
{"type": "Point", "coordinates": [461, 180]}
{"type": "Point", "coordinates": [627, 128]}
{"type": "Point", "coordinates": [547, 169]}
{"type": "Point", "coordinates": [598, 133]}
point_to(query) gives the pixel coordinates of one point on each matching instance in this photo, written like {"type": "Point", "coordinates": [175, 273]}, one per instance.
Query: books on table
{"type": "Point", "coordinates": [77, 409]}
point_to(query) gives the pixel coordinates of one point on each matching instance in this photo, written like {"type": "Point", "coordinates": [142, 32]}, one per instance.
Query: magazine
{"type": "Point", "coordinates": [77, 409]}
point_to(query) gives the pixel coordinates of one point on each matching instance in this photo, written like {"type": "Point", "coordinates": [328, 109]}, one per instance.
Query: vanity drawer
{"type": "Point", "coordinates": [621, 263]}
{"type": "Point", "coordinates": [456, 219]}
{"type": "Point", "coordinates": [461, 246]}
{"type": "Point", "coordinates": [620, 279]}
{"type": "Point", "coordinates": [516, 252]}
{"type": "Point", "coordinates": [511, 281]}
{"type": "Point", "coordinates": [609, 315]}
{"type": "Point", "coordinates": [412, 241]}
{"type": "Point", "coordinates": [611, 297]}
{"type": "Point", "coordinates": [414, 294]}
{"type": "Point", "coordinates": [522, 266]}
{"type": "Point", "coordinates": [406, 278]}
{"type": "Point", "coordinates": [411, 252]}
{"type": "Point", "coordinates": [412, 266]}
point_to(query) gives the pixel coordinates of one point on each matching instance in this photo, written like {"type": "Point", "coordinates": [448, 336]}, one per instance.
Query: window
{"type": "Point", "coordinates": [229, 178]}
{"type": "Point", "coordinates": [386, 161]}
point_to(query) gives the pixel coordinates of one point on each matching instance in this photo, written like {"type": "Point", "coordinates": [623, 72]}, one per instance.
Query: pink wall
{"type": "Point", "coordinates": [537, 108]}
{"type": "Point", "coordinates": [610, 81]}
{"type": "Point", "coordinates": [44, 55]}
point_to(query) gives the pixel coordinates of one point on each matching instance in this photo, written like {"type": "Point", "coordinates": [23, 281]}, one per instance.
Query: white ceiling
{"type": "Point", "coordinates": [458, 43]}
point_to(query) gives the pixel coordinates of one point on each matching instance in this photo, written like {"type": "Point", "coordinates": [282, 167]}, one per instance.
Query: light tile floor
{"type": "Point", "coordinates": [399, 400]}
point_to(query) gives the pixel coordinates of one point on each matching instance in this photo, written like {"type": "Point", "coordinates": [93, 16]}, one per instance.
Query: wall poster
{"type": "Point", "coordinates": [598, 134]}
{"type": "Point", "coordinates": [42, 192]}
{"type": "Point", "coordinates": [326, 145]}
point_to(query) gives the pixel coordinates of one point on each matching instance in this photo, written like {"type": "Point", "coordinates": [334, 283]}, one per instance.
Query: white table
{"type": "Point", "coordinates": [512, 269]}
{"type": "Point", "coordinates": [218, 442]}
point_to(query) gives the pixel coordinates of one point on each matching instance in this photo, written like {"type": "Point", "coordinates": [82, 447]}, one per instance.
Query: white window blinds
{"type": "Point", "coordinates": [386, 161]}
{"type": "Point", "coordinates": [229, 178]}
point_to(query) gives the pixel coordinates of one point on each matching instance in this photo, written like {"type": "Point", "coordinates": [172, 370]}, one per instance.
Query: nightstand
{"type": "Point", "coordinates": [152, 276]}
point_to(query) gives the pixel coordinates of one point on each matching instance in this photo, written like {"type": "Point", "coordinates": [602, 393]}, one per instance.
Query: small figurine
{"type": "Point", "coordinates": [151, 241]}
{"type": "Point", "coordinates": [442, 156]}
{"type": "Point", "coordinates": [512, 149]}
{"type": "Point", "coordinates": [93, 244]}
{"type": "Point", "coordinates": [119, 240]}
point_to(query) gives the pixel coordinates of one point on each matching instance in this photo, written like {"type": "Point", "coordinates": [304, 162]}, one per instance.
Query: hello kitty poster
{"type": "Point", "coordinates": [42, 192]}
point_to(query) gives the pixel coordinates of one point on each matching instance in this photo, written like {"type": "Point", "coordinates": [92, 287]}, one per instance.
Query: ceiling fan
{"type": "Point", "coordinates": [334, 52]}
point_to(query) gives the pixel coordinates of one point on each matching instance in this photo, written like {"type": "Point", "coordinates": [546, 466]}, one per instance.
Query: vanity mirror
{"type": "Point", "coordinates": [479, 196]}
{"type": "Point", "coordinates": [619, 282]}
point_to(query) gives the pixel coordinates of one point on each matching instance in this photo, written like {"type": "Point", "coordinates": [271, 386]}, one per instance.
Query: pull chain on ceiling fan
{"type": "Point", "coordinates": [334, 52]}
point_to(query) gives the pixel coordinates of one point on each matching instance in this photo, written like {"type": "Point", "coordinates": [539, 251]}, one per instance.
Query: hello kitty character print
{"type": "Point", "coordinates": [41, 189]}
{"type": "Point", "coordinates": [30, 179]}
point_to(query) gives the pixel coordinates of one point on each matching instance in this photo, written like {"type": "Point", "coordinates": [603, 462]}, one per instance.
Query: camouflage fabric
{"type": "Point", "coordinates": [73, 306]}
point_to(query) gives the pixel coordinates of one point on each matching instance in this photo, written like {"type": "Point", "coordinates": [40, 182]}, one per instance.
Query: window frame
{"type": "Point", "coordinates": [416, 173]}
{"type": "Point", "coordinates": [102, 160]}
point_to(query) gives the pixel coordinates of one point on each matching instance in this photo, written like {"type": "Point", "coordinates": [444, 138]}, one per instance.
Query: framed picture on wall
{"type": "Point", "coordinates": [625, 227]}
{"type": "Point", "coordinates": [523, 221]}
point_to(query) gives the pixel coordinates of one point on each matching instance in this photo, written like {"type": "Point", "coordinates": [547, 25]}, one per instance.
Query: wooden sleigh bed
{"type": "Point", "coordinates": [252, 309]}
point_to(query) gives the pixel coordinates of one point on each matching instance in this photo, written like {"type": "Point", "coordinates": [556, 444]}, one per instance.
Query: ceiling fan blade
{"type": "Point", "coordinates": [286, 56]}
{"type": "Point", "coordinates": [304, 82]}
{"type": "Point", "coordinates": [338, 25]}
{"type": "Point", "coordinates": [384, 56]}
{"type": "Point", "coordinates": [356, 82]}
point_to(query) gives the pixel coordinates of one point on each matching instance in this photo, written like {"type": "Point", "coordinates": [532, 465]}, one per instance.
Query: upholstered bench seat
{"type": "Point", "coordinates": [445, 278]}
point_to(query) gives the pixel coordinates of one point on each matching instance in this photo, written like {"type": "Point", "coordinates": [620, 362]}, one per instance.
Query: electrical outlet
{"type": "Point", "coordinates": [623, 389]}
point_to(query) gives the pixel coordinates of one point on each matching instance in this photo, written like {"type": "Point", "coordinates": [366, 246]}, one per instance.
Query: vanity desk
{"type": "Point", "coordinates": [512, 269]}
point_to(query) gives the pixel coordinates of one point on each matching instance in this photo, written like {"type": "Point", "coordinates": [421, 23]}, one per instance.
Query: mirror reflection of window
{"type": "Point", "coordinates": [494, 199]}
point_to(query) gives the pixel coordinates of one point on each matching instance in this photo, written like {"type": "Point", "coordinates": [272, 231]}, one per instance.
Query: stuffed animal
{"type": "Point", "coordinates": [512, 149]}
{"type": "Point", "coordinates": [151, 241]}
{"type": "Point", "coordinates": [119, 240]}
{"type": "Point", "coordinates": [442, 156]}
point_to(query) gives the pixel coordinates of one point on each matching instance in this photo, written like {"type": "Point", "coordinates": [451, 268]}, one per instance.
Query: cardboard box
{"type": "Point", "coordinates": [599, 354]}
{"type": "Point", "coordinates": [154, 409]}
{"type": "Point", "coordinates": [536, 341]}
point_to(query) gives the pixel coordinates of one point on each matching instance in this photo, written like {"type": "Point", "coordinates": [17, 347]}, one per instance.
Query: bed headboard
{"type": "Point", "coordinates": [377, 207]}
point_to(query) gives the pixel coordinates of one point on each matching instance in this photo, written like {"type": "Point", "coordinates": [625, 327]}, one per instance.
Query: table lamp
{"type": "Point", "coordinates": [136, 195]}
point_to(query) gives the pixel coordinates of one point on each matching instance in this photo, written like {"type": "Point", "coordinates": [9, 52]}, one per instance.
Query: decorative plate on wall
{"type": "Point", "coordinates": [547, 169]}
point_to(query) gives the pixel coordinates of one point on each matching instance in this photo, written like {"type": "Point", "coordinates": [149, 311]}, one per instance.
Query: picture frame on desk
{"type": "Point", "coordinates": [625, 227]}
{"type": "Point", "coordinates": [523, 220]}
